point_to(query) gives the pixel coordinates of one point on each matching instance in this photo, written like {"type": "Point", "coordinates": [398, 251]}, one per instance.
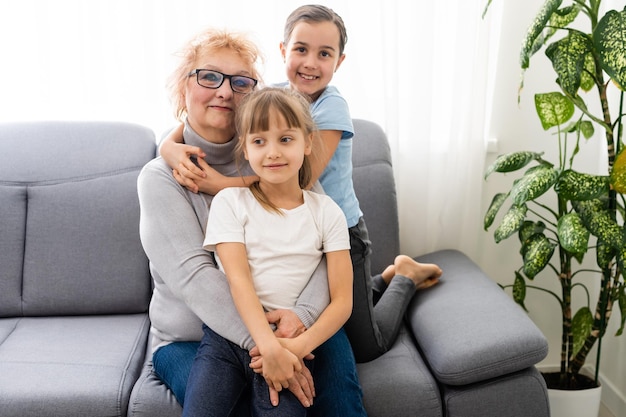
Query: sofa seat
{"type": "Point", "coordinates": [70, 366]}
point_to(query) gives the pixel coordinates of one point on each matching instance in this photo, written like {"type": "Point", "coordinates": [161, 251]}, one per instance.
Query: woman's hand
{"type": "Point", "coordinates": [288, 325]}
{"type": "Point", "coordinates": [301, 385]}
{"type": "Point", "coordinates": [279, 366]}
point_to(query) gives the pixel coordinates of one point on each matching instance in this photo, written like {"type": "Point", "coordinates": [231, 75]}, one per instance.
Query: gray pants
{"type": "Point", "coordinates": [378, 309]}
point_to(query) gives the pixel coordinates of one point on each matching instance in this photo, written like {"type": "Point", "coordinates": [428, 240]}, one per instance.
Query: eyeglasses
{"type": "Point", "coordinates": [215, 79]}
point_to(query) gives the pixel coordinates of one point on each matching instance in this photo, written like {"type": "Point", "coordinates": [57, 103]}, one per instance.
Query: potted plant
{"type": "Point", "coordinates": [559, 214]}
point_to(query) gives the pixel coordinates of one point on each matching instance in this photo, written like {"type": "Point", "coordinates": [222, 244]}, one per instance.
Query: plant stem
{"type": "Point", "coordinates": [565, 278]}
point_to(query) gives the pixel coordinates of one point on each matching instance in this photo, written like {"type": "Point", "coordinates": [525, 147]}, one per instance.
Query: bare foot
{"type": "Point", "coordinates": [423, 275]}
{"type": "Point", "coordinates": [388, 274]}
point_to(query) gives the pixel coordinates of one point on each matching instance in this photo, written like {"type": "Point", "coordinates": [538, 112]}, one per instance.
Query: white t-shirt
{"type": "Point", "coordinates": [283, 250]}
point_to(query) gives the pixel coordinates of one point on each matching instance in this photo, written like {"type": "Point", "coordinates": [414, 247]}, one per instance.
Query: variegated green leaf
{"type": "Point", "coordinates": [574, 185]}
{"type": "Point", "coordinates": [579, 127]}
{"type": "Point", "coordinates": [599, 222]}
{"type": "Point", "coordinates": [609, 39]}
{"type": "Point", "coordinates": [563, 17]}
{"type": "Point", "coordinates": [511, 222]}
{"type": "Point", "coordinates": [519, 290]}
{"type": "Point", "coordinates": [618, 174]}
{"type": "Point", "coordinates": [512, 162]}
{"type": "Point", "coordinates": [573, 236]}
{"type": "Point", "coordinates": [559, 19]}
{"type": "Point", "coordinates": [586, 128]}
{"type": "Point", "coordinates": [586, 80]}
{"type": "Point", "coordinates": [493, 209]}
{"type": "Point", "coordinates": [537, 254]}
{"type": "Point", "coordinates": [553, 109]}
{"type": "Point", "coordinates": [568, 59]}
{"type": "Point", "coordinates": [604, 254]}
{"type": "Point", "coordinates": [535, 182]}
{"type": "Point", "coordinates": [535, 29]}
{"type": "Point", "coordinates": [528, 229]}
{"type": "Point", "coordinates": [581, 327]}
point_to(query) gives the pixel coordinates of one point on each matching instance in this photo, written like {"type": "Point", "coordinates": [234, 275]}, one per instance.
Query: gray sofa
{"type": "Point", "coordinates": [75, 289]}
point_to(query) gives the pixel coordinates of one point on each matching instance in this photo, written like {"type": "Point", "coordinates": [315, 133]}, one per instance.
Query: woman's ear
{"type": "Point", "coordinates": [283, 51]}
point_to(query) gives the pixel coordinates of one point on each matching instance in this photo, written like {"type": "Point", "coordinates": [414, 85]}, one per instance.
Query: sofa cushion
{"type": "Point", "coordinates": [498, 338]}
{"type": "Point", "coordinates": [69, 235]}
{"type": "Point", "coordinates": [12, 221]}
{"type": "Point", "coordinates": [507, 396]}
{"type": "Point", "coordinates": [398, 383]}
{"type": "Point", "coordinates": [70, 366]}
{"type": "Point", "coordinates": [151, 398]}
{"type": "Point", "coordinates": [375, 188]}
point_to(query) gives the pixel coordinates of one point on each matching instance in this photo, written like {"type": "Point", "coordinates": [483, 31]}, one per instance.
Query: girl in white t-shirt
{"type": "Point", "coordinates": [268, 238]}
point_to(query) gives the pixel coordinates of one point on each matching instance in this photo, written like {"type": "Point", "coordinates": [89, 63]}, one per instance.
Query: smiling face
{"type": "Point", "coordinates": [277, 154]}
{"type": "Point", "coordinates": [312, 56]}
{"type": "Point", "coordinates": [211, 112]}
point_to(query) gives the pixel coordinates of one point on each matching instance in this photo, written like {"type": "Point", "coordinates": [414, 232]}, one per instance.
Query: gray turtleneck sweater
{"type": "Point", "coordinates": [188, 287]}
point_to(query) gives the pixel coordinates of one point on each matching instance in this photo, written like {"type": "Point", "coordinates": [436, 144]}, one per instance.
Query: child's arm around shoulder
{"type": "Point", "coordinates": [191, 170]}
{"type": "Point", "coordinates": [332, 116]}
{"type": "Point", "coordinates": [329, 140]}
{"type": "Point", "coordinates": [178, 156]}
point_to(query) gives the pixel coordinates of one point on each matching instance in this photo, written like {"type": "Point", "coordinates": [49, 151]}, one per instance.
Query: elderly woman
{"type": "Point", "coordinates": [216, 70]}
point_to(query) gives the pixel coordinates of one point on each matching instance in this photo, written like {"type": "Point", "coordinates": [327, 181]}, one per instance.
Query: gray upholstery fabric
{"type": "Point", "coordinates": [151, 398]}
{"type": "Point", "coordinates": [74, 281]}
{"type": "Point", "coordinates": [70, 366]}
{"type": "Point", "coordinates": [376, 189]}
{"type": "Point", "coordinates": [399, 383]}
{"type": "Point", "coordinates": [75, 288]}
{"type": "Point", "coordinates": [520, 394]}
{"type": "Point", "coordinates": [69, 231]}
{"type": "Point", "coordinates": [497, 338]}
{"type": "Point", "coordinates": [13, 218]}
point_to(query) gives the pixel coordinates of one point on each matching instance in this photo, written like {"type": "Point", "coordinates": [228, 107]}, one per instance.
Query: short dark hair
{"type": "Point", "coordinates": [316, 13]}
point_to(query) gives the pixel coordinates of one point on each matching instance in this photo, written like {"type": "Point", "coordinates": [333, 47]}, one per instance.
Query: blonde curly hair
{"type": "Point", "coordinates": [205, 42]}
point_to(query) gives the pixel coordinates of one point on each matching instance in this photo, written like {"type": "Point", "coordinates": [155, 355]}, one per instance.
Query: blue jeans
{"type": "Point", "coordinates": [336, 381]}
{"type": "Point", "coordinates": [221, 376]}
{"type": "Point", "coordinates": [172, 364]}
{"type": "Point", "coordinates": [337, 388]}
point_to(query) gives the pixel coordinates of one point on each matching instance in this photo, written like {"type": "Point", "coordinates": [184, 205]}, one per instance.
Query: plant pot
{"type": "Point", "coordinates": [573, 403]}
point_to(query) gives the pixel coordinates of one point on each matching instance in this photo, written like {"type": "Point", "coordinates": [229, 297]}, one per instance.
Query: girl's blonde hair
{"type": "Point", "coordinates": [255, 115]}
{"type": "Point", "coordinates": [206, 42]}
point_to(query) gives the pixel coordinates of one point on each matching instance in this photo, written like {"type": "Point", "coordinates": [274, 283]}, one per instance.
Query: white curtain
{"type": "Point", "coordinates": [419, 69]}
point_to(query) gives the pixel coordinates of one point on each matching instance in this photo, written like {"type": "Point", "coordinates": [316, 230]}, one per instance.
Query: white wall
{"type": "Point", "coordinates": [517, 128]}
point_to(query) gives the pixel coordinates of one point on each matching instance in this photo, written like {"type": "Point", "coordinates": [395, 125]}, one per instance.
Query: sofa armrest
{"type": "Point", "coordinates": [468, 328]}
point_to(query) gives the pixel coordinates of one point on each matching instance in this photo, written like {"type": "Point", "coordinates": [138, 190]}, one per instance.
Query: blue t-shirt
{"type": "Point", "coordinates": [330, 112]}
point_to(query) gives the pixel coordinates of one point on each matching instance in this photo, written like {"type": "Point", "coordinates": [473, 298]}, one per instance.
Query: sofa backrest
{"type": "Point", "coordinates": [376, 190]}
{"type": "Point", "coordinates": [69, 216]}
